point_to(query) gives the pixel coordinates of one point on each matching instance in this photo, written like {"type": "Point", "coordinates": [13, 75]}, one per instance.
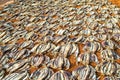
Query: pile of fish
{"type": "Point", "coordinates": [38, 38]}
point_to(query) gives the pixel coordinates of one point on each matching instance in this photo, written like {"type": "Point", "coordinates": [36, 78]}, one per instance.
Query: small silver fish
{"type": "Point", "coordinates": [11, 67]}
{"type": "Point", "coordinates": [109, 55]}
{"type": "Point", "coordinates": [86, 58]}
{"type": "Point", "coordinates": [85, 72]}
{"type": "Point", "coordinates": [17, 76]}
{"type": "Point", "coordinates": [22, 54]}
{"type": "Point", "coordinates": [111, 78]}
{"type": "Point", "coordinates": [4, 59]}
{"type": "Point", "coordinates": [28, 44]}
{"type": "Point", "coordinates": [39, 60]}
{"type": "Point", "coordinates": [42, 74]}
{"type": "Point", "coordinates": [61, 75]}
{"type": "Point", "coordinates": [107, 68]}
{"type": "Point", "coordinates": [59, 62]}
{"type": "Point", "coordinates": [2, 73]}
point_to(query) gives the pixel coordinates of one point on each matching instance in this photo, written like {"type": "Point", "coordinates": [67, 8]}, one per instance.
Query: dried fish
{"type": "Point", "coordinates": [86, 32]}
{"type": "Point", "coordinates": [4, 59]}
{"type": "Point", "coordinates": [87, 58]}
{"type": "Point", "coordinates": [111, 78]}
{"type": "Point", "coordinates": [77, 22]}
{"type": "Point", "coordinates": [79, 39]}
{"type": "Point", "coordinates": [92, 47]}
{"type": "Point", "coordinates": [107, 68]}
{"type": "Point", "coordinates": [22, 54]}
{"type": "Point", "coordinates": [34, 49]}
{"type": "Point", "coordinates": [46, 33]}
{"type": "Point", "coordinates": [8, 26]}
{"type": "Point", "coordinates": [2, 73]}
{"type": "Point", "coordinates": [61, 75]}
{"type": "Point", "coordinates": [2, 34]}
{"type": "Point", "coordinates": [59, 38]}
{"type": "Point", "coordinates": [13, 51]}
{"type": "Point", "coordinates": [11, 67]}
{"type": "Point", "coordinates": [28, 44]}
{"type": "Point", "coordinates": [9, 38]}
{"type": "Point", "coordinates": [42, 74]}
{"type": "Point", "coordinates": [102, 36]}
{"type": "Point", "coordinates": [118, 71]}
{"type": "Point", "coordinates": [45, 47]}
{"type": "Point", "coordinates": [17, 76]}
{"type": "Point", "coordinates": [29, 35]}
{"type": "Point", "coordinates": [59, 63]}
{"type": "Point", "coordinates": [109, 55]}
{"type": "Point", "coordinates": [84, 73]}
{"type": "Point", "coordinates": [108, 44]}
{"type": "Point", "coordinates": [39, 60]}
{"type": "Point", "coordinates": [67, 49]}
{"type": "Point", "coordinates": [11, 76]}
{"type": "Point", "coordinates": [4, 37]}
{"type": "Point", "coordinates": [116, 37]}
{"type": "Point", "coordinates": [62, 32]}
{"type": "Point", "coordinates": [20, 33]}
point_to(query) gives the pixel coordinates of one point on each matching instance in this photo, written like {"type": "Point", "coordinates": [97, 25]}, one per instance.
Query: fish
{"type": "Point", "coordinates": [42, 74]}
{"type": "Point", "coordinates": [11, 67]}
{"type": "Point", "coordinates": [109, 55]}
{"type": "Point", "coordinates": [2, 34]}
{"type": "Point", "coordinates": [108, 44]}
{"type": "Point", "coordinates": [79, 39]}
{"type": "Point", "coordinates": [29, 35]}
{"type": "Point", "coordinates": [59, 39]}
{"type": "Point", "coordinates": [110, 78]}
{"type": "Point", "coordinates": [45, 48]}
{"type": "Point", "coordinates": [87, 58]}
{"type": "Point", "coordinates": [2, 73]}
{"type": "Point", "coordinates": [107, 68]}
{"type": "Point", "coordinates": [17, 76]}
{"type": "Point", "coordinates": [61, 75]}
{"type": "Point", "coordinates": [84, 72]}
{"type": "Point", "coordinates": [4, 59]}
{"type": "Point", "coordinates": [47, 34]}
{"type": "Point", "coordinates": [24, 53]}
{"type": "Point", "coordinates": [59, 63]}
{"type": "Point", "coordinates": [40, 60]}
{"type": "Point", "coordinates": [92, 47]}
{"type": "Point", "coordinates": [28, 44]}
{"type": "Point", "coordinates": [67, 49]}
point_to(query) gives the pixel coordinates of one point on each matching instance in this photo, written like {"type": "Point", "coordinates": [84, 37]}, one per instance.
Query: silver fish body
{"type": "Point", "coordinates": [42, 74]}
{"type": "Point", "coordinates": [85, 72]}
{"type": "Point", "coordinates": [61, 75]}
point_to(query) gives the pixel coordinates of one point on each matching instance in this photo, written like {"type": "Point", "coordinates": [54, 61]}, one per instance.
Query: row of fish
{"type": "Point", "coordinates": [81, 73]}
{"type": "Point", "coordinates": [106, 67]}
{"type": "Point", "coordinates": [38, 38]}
